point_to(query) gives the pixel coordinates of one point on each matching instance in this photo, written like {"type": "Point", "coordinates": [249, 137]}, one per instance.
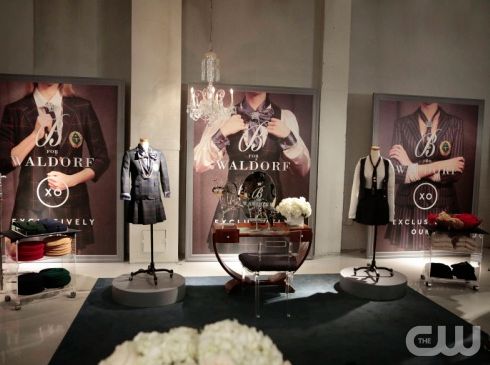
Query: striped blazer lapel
{"type": "Point", "coordinates": [413, 136]}
{"type": "Point", "coordinates": [443, 122]}
{"type": "Point", "coordinates": [414, 126]}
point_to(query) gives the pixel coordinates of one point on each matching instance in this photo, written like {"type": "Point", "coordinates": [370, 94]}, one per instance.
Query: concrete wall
{"type": "Point", "coordinates": [273, 43]}
{"type": "Point", "coordinates": [69, 38]}
{"type": "Point", "coordinates": [418, 47]}
{"type": "Point", "coordinates": [332, 133]}
{"type": "Point", "coordinates": [17, 46]}
{"type": "Point", "coordinates": [155, 111]}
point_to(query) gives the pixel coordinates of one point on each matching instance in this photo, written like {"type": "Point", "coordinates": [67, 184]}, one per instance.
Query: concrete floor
{"type": "Point", "coordinates": [32, 334]}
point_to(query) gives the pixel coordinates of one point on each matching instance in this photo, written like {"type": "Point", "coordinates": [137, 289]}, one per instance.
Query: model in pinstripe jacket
{"type": "Point", "coordinates": [427, 154]}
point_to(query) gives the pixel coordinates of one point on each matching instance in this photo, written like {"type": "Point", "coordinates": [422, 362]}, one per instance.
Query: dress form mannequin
{"type": "Point", "coordinates": [375, 159]}
{"type": "Point", "coordinates": [144, 170]}
{"type": "Point", "coordinates": [145, 143]}
{"type": "Point", "coordinates": [375, 154]}
{"type": "Point", "coordinates": [1, 241]}
{"type": "Point", "coordinates": [385, 173]}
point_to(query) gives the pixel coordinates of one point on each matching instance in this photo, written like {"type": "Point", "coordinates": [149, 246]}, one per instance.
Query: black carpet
{"type": "Point", "coordinates": [327, 326]}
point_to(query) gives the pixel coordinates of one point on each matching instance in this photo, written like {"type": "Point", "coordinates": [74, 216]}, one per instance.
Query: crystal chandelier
{"type": "Point", "coordinates": [208, 103]}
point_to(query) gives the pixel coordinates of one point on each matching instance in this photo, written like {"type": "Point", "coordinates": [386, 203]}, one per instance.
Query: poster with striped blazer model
{"type": "Point", "coordinates": [432, 144]}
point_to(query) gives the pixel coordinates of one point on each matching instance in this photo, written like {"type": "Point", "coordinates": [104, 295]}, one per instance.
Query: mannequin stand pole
{"type": "Point", "coordinates": [151, 270]}
{"type": "Point", "coordinates": [2, 238]}
{"type": "Point", "coordinates": [372, 266]}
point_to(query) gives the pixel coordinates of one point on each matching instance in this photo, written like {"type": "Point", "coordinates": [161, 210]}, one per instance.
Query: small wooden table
{"type": "Point", "coordinates": [231, 234]}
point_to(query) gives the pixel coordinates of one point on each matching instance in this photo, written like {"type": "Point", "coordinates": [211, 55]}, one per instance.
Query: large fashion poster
{"type": "Point", "coordinates": [58, 149]}
{"type": "Point", "coordinates": [270, 132]}
{"type": "Point", "coordinates": [433, 145]}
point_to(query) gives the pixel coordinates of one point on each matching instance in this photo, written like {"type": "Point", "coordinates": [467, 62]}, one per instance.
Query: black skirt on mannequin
{"type": "Point", "coordinates": [372, 208]}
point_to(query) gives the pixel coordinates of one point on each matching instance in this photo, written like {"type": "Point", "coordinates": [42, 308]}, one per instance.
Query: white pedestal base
{"type": "Point", "coordinates": [142, 292]}
{"type": "Point", "coordinates": [364, 285]}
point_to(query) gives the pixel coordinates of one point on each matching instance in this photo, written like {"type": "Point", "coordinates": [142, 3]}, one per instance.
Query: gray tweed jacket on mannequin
{"type": "Point", "coordinates": [142, 175]}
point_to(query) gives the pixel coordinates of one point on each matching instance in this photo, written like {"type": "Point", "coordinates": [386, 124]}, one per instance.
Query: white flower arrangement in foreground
{"type": "Point", "coordinates": [294, 207]}
{"type": "Point", "coordinates": [222, 343]}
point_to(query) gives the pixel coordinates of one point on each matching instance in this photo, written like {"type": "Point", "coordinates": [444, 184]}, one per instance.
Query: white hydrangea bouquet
{"type": "Point", "coordinates": [294, 209]}
{"type": "Point", "coordinates": [222, 343]}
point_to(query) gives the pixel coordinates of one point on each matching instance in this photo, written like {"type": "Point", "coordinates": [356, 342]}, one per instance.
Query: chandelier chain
{"type": "Point", "coordinates": [208, 104]}
{"type": "Point", "coordinates": [211, 25]}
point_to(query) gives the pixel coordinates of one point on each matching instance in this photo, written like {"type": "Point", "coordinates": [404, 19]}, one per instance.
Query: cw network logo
{"type": "Point", "coordinates": [420, 341]}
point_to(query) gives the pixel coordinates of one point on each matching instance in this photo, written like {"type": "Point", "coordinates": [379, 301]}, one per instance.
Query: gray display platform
{"type": "Point", "coordinates": [142, 292]}
{"type": "Point", "coordinates": [364, 285]}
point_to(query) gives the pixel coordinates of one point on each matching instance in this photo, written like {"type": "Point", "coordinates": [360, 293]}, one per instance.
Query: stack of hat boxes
{"type": "Point", "coordinates": [54, 247]}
